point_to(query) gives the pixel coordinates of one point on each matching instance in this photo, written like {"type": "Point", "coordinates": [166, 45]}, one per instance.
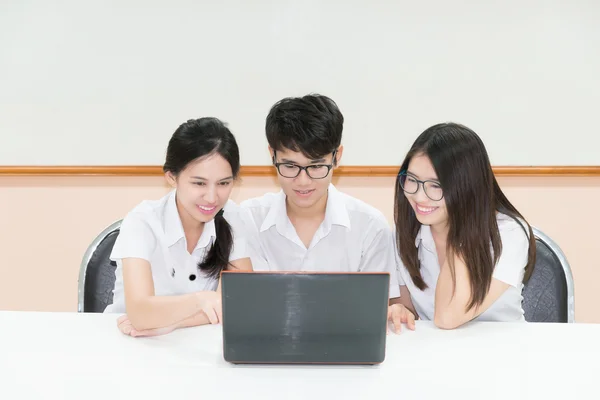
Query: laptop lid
{"type": "Point", "coordinates": [283, 317]}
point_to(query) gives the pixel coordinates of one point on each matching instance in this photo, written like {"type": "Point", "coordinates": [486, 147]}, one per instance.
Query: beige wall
{"type": "Point", "coordinates": [46, 223]}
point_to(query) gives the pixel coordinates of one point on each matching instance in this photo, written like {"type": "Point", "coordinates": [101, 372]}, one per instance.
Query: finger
{"type": "Point", "coordinates": [219, 312]}
{"type": "Point", "coordinates": [410, 321]}
{"type": "Point", "coordinates": [122, 319]}
{"type": "Point", "coordinates": [404, 316]}
{"type": "Point", "coordinates": [126, 328]}
{"type": "Point", "coordinates": [151, 332]}
{"type": "Point", "coordinates": [396, 319]}
{"type": "Point", "coordinates": [211, 315]}
{"type": "Point", "coordinates": [145, 332]}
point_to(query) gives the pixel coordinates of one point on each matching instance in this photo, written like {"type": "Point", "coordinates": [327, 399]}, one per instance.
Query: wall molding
{"type": "Point", "coordinates": [267, 170]}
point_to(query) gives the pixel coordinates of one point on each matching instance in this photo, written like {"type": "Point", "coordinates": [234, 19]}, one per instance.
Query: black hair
{"type": "Point", "coordinates": [311, 125]}
{"type": "Point", "coordinates": [473, 198]}
{"type": "Point", "coordinates": [195, 139]}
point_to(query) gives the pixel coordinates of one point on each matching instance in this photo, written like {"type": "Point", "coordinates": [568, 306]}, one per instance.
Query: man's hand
{"type": "Point", "coordinates": [399, 315]}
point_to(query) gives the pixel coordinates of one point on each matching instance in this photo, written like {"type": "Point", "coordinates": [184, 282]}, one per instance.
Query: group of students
{"type": "Point", "coordinates": [459, 250]}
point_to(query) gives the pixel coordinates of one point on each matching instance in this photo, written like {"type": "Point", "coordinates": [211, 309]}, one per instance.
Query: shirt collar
{"type": "Point", "coordinates": [335, 211]}
{"type": "Point", "coordinates": [174, 228]}
{"type": "Point", "coordinates": [277, 213]}
{"type": "Point", "coordinates": [425, 237]}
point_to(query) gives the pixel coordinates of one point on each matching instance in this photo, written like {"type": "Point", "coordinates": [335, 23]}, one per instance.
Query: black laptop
{"type": "Point", "coordinates": [304, 318]}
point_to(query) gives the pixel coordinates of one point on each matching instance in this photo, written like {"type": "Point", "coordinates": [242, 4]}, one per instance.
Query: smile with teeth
{"type": "Point", "coordinates": [425, 210]}
{"type": "Point", "coordinates": [304, 192]}
{"type": "Point", "coordinates": [207, 210]}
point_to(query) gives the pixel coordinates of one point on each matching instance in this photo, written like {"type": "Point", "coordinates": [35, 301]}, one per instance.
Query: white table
{"type": "Point", "coordinates": [83, 356]}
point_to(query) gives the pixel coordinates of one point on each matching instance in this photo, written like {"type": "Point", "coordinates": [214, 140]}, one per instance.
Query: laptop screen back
{"type": "Point", "coordinates": [304, 317]}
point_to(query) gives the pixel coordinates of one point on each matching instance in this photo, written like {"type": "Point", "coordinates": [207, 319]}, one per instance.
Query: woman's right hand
{"type": "Point", "coordinates": [127, 328]}
{"type": "Point", "coordinates": [210, 305]}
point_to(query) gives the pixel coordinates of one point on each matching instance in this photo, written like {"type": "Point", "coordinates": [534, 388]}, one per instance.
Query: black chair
{"type": "Point", "coordinates": [548, 296]}
{"type": "Point", "coordinates": [97, 272]}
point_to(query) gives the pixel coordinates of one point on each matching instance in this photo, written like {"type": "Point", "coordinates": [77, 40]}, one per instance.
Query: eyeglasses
{"type": "Point", "coordinates": [410, 185]}
{"type": "Point", "coordinates": [316, 171]}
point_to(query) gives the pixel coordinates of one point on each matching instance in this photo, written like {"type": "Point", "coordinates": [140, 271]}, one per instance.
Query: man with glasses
{"type": "Point", "coordinates": [310, 225]}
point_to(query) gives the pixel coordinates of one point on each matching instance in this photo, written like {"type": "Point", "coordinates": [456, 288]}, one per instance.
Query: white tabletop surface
{"type": "Point", "coordinates": [84, 356]}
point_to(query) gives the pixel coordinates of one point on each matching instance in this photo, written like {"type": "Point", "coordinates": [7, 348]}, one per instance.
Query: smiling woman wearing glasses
{"type": "Point", "coordinates": [464, 251]}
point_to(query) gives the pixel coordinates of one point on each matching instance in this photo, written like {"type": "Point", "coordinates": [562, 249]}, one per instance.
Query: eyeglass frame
{"type": "Point", "coordinates": [419, 184]}
{"type": "Point", "coordinates": [305, 169]}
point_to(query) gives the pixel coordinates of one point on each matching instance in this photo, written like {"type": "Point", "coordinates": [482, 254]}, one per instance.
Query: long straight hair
{"type": "Point", "coordinates": [195, 139]}
{"type": "Point", "coordinates": [473, 198]}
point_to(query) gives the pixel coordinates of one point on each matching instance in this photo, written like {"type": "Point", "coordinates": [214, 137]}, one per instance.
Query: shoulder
{"type": "Point", "coordinates": [148, 213]}
{"type": "Point", "coordinates": [265, 201]}
{"type": "Point", "coordinates": [257, 208]}
{"type": "Point", "coordinates": [363, 214]}
{"type": "Point", "coordinates": [511, 264]}
{"type": "Point", "coordinates": [512, 231]}
{"type": "Point", "coordinates": [140, 230]}
{"type": "Point", "coordinates": [232, 210]}
{"type": "Point", "coordinates": [237, 216]}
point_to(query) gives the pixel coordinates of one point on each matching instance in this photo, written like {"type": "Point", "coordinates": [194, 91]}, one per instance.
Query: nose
{"type": "Point", "coordinates": [211, 195]}
{"type": "Point", "coordinates": [303, 178]}
{"type": "Point", "coordinates": [420, 196]}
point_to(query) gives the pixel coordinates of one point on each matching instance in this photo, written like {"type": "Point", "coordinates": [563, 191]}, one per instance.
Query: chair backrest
{"type": "Point", "coordinates": [97, 272]}
{"type": "Point", "coordinates": [548, 296]}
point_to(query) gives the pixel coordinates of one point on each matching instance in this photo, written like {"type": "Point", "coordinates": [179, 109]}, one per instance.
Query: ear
{"type": "Point", "coordinates": [338, 155]}
{"type": "Point", "coordinates": [271, 152]}
{"type": "Point", "coordinates": [171, 179]}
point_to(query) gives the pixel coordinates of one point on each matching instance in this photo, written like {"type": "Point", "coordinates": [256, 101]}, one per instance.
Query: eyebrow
{"type": "Point", "coordinates": [417, 176]}
{"type": "Point", "coordinates": [319, 161]}
{"type": "Point", "coordinates": [204, 179]}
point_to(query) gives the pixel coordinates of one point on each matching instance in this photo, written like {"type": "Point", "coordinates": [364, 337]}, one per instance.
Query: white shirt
{"type": "Point", "coordinates": [509, 269]}
{"type": "Point", "coordinates": [353, 237]}
{"type": "Point", "coordinates": [153, 231]}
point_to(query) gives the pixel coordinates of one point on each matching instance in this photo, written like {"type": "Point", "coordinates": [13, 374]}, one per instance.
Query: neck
{"type": "Point", "coordinates": [317, 211]}
{"type": "Point", "coordinates": [440, 232]}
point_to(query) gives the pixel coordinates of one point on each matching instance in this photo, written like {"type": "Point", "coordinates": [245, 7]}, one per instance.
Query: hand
{"type": "Point", "coordinates": [126, 328]}
{"type": "Point", "coordinates": [399, 314]}
{"type": "Point", "coordinates": [210, 304]}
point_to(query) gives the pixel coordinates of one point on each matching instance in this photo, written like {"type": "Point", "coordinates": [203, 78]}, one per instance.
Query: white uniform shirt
{"type": "Point", "coordinates": [509, 269]}
{"type": "Point", "coordinates": [354, 237]}
{"type": "Point", "coordinates": [153, 231]}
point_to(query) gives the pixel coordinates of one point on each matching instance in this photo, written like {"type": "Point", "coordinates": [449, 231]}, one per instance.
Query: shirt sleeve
{"type": "Point", "coordinates": [239, 249]}
{"type": "Point", "coordinates": [398, 264]}
{"type": "Point", "coordinates": [135, 240]}
{"type": "Point", "coordinates": [515, 251]}
{"type": "Point", "coordinates": [244, 237]}
{"type": "Point", "coordinates": [378, 256]}
{"type": "Point", "coordinates": [254, 250]}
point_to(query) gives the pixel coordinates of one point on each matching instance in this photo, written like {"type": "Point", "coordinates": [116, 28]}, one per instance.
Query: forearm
{"type": "Point", "coordinates": [451, 301]}
{"type": "Point", "coordinates": [199, 318]}
{"type": "Point", "coordinates": [195, 320]}
{"type": "Point", "coordinates": [160, 311]}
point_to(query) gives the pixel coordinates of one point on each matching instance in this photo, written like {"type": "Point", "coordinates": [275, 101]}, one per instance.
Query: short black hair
{"type": "Point", "coordinates": [311, 124]}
